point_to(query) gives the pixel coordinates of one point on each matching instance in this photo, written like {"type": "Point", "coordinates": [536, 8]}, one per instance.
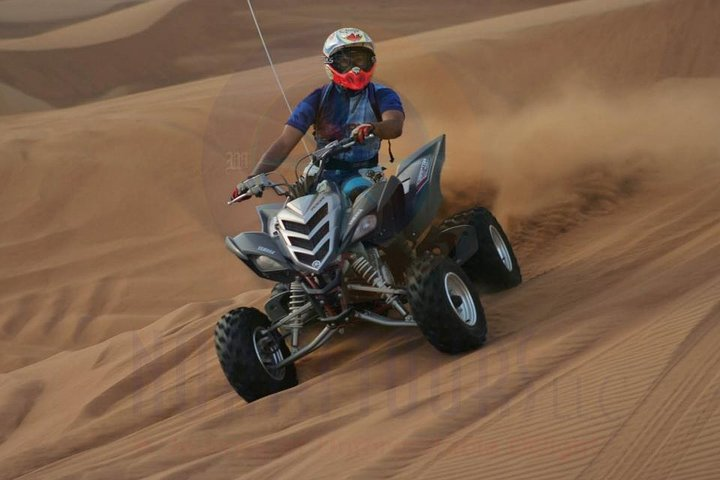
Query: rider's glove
{"type": "Point", "coordinates": [362, 131]}
{"type": "Point", "coordinates": [240, 189]}
{"type": "Point", "coordinates": [237, 191]}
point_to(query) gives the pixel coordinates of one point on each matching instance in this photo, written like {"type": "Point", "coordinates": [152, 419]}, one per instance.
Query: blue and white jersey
{"type": "Point", "coordinates": [342, 111]}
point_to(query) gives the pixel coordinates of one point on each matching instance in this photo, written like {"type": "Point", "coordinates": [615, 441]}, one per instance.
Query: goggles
{"type": "Point", "coordinates": [347, 58]}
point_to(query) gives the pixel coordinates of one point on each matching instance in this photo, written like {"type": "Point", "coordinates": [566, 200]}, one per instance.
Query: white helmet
{"type": "Point", "coordinates": [347, 37]}
{"type": "Point", "coordinates": [355, 71]}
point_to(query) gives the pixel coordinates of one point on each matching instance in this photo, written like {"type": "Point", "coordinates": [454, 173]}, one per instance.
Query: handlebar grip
{"type": "Point", "coordinates": [350, 141]}
{"type": "Point", "coordinates": [240, 198]}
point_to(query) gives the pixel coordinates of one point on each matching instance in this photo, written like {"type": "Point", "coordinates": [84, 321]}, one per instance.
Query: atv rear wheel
{"type": "Point", "coordinates": [248, 354]}
{"type": "Point", "coordinates": [445, 304]}
{"type": "Point", "coordinates": [494, 265]}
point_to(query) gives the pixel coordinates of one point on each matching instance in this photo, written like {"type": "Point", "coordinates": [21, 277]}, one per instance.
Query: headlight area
{"type": "Point", "coordinates": [366, 225]}
{"type": "Point", "coordinates": [267, 264]}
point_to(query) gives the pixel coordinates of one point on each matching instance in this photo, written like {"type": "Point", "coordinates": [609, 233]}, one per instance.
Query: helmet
{"type": "Point", "coordinates": [349, 58]}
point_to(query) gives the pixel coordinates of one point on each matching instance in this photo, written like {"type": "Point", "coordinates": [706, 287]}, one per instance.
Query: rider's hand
{"type": "Point", "coordinates": [361, 132]}
{"type": "Point", "coordinates": [237, 191]}
{"type": "Point", "coordinates": [240, 189]}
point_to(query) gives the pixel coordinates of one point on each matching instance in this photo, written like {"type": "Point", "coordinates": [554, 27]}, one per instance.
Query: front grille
{"type": "Point", "coordinates": [301, 244]}
{"type": "Point", "coordinates": [323, 250]}
{"type": "Point", "coordinates": [306, 228]}
{"type": "Point", "coordinates": [309, 244]}
{"type": "Point", "coordinates": [309, 259]}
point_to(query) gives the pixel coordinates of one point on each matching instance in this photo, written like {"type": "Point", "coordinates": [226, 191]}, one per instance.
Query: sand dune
{"type": "Point", "coordinates": [31, 11]}
{"type": "Point", "coordinates": [15, 101]}
{"type": "Point", "coordinates": [197, 39]}
{"type": "Point", "coordinates": [106, 28]}
{"type": "Point", "coordinates": [593, 135]}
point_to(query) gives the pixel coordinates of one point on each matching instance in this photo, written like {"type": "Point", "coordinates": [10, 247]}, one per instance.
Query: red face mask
{"type": "Point", "coordinates": [351, 68]}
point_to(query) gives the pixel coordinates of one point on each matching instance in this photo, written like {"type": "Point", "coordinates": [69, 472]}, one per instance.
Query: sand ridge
{"type": "Point", "coordinates": [197, 39]}
{"type": "Point", "coordinates": [106, 28]}
{"type": "Point", "coordinates": [29, 11]}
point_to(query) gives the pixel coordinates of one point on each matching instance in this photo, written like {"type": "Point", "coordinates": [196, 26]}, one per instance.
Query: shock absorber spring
{"type": "Point", "coordinates": [297, 296]}
{"type": "Point", "coordinates": [367, 271]}
{"type": "Point", "coordinates": [370, 274]}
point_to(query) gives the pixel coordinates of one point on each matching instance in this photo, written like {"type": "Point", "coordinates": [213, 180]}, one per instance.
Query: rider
{"type": "Point", "coordinates": [350, 105]}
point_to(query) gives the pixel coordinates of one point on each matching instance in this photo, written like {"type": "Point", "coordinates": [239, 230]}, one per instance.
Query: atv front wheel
{"type": "Point", "coordinates": [249, 354]}
{"type": "Point", "coordinates": [445, 304]}
{"type": "Point", "coordinates": [494, 265]}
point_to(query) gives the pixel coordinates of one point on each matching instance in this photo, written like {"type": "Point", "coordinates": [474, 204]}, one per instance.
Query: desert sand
{"type": "Point", "coordinates": [157, 43]}
{"type": "Point", "coordinates": [589, 127]}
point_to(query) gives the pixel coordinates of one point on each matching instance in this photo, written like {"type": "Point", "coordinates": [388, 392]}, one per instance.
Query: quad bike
{"type": "Point", "coordinates": [375, 258]}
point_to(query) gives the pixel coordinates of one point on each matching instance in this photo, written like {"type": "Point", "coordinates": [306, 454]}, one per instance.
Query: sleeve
{"type": "Point", "coordinates": [388, 99]}
{"type": "Point", "coordinates": [304, 114]}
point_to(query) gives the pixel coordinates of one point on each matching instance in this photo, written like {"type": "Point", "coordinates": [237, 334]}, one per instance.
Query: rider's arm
{"type": "Point", "coordinates": [391, 125]}
{"type": "Point", "coordinates": [278, 151]}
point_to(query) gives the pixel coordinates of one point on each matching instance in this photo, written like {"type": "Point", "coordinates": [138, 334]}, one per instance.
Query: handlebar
{"type": "Point", "coordinates": [334, 147]}
{"type": "Point", "coordinates": [254, 186]}
{"type": "Point", "coordinates": [240, 198]}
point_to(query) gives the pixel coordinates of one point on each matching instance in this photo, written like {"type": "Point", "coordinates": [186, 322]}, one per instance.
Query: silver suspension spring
{"type": "Point", "coordinates": [370, 274]}
{"type": "Point", "coordinates": [367, 271]}
{"type": "Point", "coordinates": [297, 296]}
{"type": "Point", "coordinates": [298, 299]}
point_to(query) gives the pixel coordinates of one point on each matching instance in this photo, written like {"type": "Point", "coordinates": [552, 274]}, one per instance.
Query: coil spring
{"type": "Point", "coordinates": [367, 271]}
{"type": "Point", "coordinates": [297, 296]}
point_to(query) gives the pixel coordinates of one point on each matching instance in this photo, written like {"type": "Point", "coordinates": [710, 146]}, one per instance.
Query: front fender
{"type": "Point", "coordinates": [249, 245]}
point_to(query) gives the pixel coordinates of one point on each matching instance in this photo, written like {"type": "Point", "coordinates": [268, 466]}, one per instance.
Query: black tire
{"type": "Point", "coordinates": [487, 266]}
{"type": "Point", "coordinates": [235, 347]}
{"type": "Point", "coordinates": [433, 311]}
